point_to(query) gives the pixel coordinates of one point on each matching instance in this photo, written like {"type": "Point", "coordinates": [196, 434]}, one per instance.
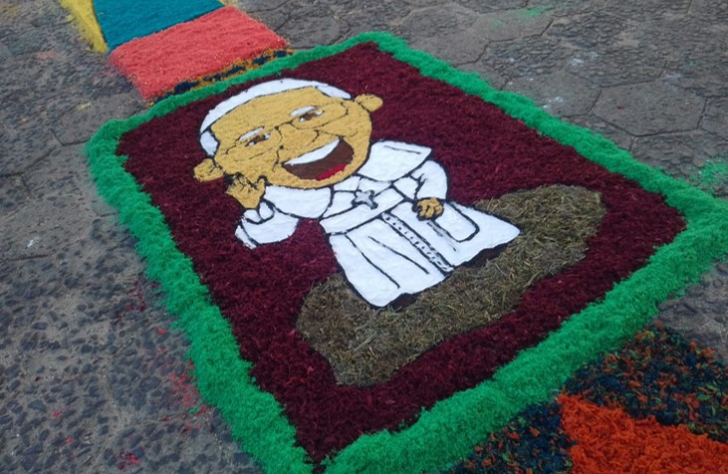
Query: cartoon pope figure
{"type": "Point", "coordinates": [292, 149]}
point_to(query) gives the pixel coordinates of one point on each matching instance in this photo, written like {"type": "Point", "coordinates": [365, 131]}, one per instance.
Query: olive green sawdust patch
{"type": "Point", "coordinates": [366, 346]}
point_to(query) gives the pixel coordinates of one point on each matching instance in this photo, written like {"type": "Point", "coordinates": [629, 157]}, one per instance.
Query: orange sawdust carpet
{"type": "Point", "coordinates": [609, 441]}
{"type": "Point", "coordinates": [658, 405]}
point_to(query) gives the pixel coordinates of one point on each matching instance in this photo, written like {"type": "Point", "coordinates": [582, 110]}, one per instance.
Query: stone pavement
{"type": "Point", "coordinates": [92, 378]}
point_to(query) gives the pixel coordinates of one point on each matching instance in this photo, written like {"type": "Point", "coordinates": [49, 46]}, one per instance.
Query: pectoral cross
{"type": "Point", "coordinates": [366, 198]}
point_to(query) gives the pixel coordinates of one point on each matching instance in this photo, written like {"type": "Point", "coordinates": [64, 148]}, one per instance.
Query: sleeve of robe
{"type": "Point", "coordinates": [265, 225]}
{"type": "Point", "coordinates": [278, 214]}
{"type": "Point", "coordinates": [431, 181]}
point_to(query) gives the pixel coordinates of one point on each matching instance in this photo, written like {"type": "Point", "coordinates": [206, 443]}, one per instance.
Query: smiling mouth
{"type": "Point", "coordinates": [321, 163]}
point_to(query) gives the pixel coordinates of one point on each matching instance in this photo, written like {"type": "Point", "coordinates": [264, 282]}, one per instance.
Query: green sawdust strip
{"type": "Point", "coordinates": [450, 428]}
{"type": "Point", "coordinates": [222, 376]}
{"type": "Point", "coordinates": [712, 177]}
{"type": "Point", "coordinates": [366, 346]}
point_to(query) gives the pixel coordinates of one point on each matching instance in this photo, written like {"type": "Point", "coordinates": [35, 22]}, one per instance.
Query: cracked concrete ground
{"type": "Point", "coordinates": [92, 377]}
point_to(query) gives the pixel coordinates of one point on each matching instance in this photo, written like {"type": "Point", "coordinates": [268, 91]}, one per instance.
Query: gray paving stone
{"type": "Point", "coordinates": [568, 7]}
{"type": "Point", "coordinates": [34, 13]}
{"type": "Point", "coordinates": [682, 155]}
{"type": "Point", "coordinates": [493, 5]}
{"type": "Point", "coordinates": [13, 97]}
{"type": "Point", "coordinates": [715, 119]}
{"type": "Point", "coordinates": [525, 57]}
{"type": "Point", "coordinates": [609, 49]}
{"type": "Point", "coordinates": [371, 10]}
{"type": "Point", "coordinates": [693, 61]}
{"type": "Point", "coordinates": [173, 444]}
{"type": "Point", "coordinates": [617, 67]}
{"type": "Point", "coordinates": [23, 140]}
{"type": "Point", "coordinates": [593, 31]}
{"type": "Point", "coordinates": [76, 78]}
{"type": "Point", "coordinates": [369, 15]}
{"type": "Point", "coordinates": [702, 316]}
{"type": "Point", "coordinates": [649, 108]}
{"type": "Point", "coordinates": [40, 230]}
{"type": "Point", "coordinates": [27, 66]}
{"type": "Point", "coordinates": [97, 204]}
{"type": "Point", "coordinates": [24, 42]}
{"type": "Point", "coordinates": [59, 71]}
{"type": "Point", "coordinates": [701, 71]}
{"type": "Point", "coordinates": [437, 21]}
{"type": "Point", "coordinates": [273, 19]}
{"type": "Point", "coordinates": [646, 10]}
{"type": "Point", "coordinates": [432, 30]}
{"type": "Point", "coordinates": [22, 144]}
{"type": "Point", "coordinates": [323, 30]}
{"type": "Point", "coordinates": [59, 213]}
{"type": "Point", "coordinates": [80, 123]}
{"type": "Point", "coordinates": [659, 35]}
{"type": "Point", "coordinates": [710, 10]}
{"type": "Point", "coordinates": [422, 3]}
{"type": "Point", "coordinates": [485, 73]}
{"type": "Point", "coordinates": [511, 24]}
{"type": "Point", "coordinates": [464, 48]}
{"type": "Point", "coordinates": [59, 172]}
{"type": "Point", "coordinates": [5, 52]}
{"type": "Point", "coordinates": [600, 127]}
{"type": "Point", "coordinates": [13, 194]}
{"type": "Point", "coordinates": [561, 94]}
{"type": "Point", "coordinates": [310, 25]}
{"type": "Point", "coordinates": [260, 5]}
{"type": "Point", "coordinates": [79, 371]}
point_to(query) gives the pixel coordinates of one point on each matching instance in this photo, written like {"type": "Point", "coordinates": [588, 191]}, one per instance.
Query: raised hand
{"type": "Point", "coordinates": [247, 193]}
{"type": "Point", "coordinates": [207, 171]}
{"type": "Point", "coordinates": [429, 208]}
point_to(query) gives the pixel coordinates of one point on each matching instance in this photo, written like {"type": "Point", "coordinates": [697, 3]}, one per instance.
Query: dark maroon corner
{"type": "Point", "coordinates": [486, 154]}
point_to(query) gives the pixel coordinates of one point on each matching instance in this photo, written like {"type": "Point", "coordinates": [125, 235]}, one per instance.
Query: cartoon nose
{"type": "Point", "coordinates": [286, 128]}
{"type": "Point", "coordinates": [293, 137]}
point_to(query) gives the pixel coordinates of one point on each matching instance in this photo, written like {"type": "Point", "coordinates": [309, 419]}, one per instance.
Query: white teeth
{"type": "Point", "coordinates": [316, 155]}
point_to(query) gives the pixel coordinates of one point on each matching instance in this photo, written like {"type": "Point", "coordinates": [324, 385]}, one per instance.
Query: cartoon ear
{"type": "Point", "coordinates": [207, 171]}
{"type": "Point", "coordinates": [369, 101]}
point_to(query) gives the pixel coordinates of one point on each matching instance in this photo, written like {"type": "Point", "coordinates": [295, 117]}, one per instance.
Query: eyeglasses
{"type": "Point", "coordinates": [263, 139]}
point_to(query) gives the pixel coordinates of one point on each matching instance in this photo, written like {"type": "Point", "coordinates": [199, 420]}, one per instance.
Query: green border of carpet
{"type": "Point", "coordinates": [449, 429]}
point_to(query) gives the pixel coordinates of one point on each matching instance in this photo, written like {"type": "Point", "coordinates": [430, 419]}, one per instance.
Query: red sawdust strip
{"type": "Point", "coordinates": [609, 441]}
{"type": "Point", "coordinates": [188, 51]}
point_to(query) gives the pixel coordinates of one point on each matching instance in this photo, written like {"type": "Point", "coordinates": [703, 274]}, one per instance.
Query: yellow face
{"type": "Point", "coordinates": [299, 139]}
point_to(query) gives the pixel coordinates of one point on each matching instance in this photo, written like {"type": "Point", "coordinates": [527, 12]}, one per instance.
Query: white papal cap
{"type": "Point", "coordinates": [208, 140]}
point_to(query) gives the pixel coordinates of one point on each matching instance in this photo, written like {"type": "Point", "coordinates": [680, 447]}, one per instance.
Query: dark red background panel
{"type": "Point", "coordinates": [486, 154]}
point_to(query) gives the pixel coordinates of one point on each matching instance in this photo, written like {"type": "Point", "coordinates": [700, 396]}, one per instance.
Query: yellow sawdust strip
{"type": "Point", "coordinates": [84, 17]}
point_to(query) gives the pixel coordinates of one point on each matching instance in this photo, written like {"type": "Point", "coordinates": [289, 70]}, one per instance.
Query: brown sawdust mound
{"type": "Point", "coordinates": [366, 346]}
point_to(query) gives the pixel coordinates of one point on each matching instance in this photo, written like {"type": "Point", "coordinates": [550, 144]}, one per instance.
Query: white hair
{"type": "Point", "coordinates": [210, 143]}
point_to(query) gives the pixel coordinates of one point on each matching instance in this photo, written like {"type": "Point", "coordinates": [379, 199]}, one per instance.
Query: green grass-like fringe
{"type": "Point", "coordinates": [449, 429]}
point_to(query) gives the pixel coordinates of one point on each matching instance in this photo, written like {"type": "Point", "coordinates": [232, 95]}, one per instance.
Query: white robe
{"type": "Point", "coordinates": [384, 249]}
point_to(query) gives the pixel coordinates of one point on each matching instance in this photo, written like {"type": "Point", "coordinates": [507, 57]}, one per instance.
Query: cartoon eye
{"type": "Point", "coordinates": [310, 115]}
{"type": "Point", "coordinates": [257, 139]}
